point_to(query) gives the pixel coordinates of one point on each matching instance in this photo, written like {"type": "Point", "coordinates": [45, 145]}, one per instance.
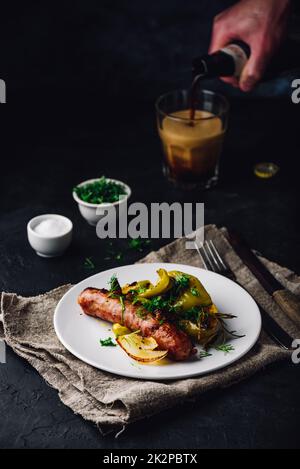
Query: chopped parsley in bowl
{"type": "Point", "coordinates": [95, 195]}
{"type": "Point", "coordinates": [100, 191]}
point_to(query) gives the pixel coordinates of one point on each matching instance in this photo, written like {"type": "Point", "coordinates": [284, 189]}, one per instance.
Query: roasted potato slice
{"type": "Point", "coordinates": [141, 349]}
{"type": "Point", "coordinates": [118, 330]}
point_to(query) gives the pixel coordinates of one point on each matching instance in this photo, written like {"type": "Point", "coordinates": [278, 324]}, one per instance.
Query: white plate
{"type": "Point", "coordinates": [81, 334]}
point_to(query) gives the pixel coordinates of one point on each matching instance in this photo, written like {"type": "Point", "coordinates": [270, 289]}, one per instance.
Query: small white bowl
{"type": "Point", "coordinates": [91, 211]}
{"type": "Point", "coordinates": [49, 246]}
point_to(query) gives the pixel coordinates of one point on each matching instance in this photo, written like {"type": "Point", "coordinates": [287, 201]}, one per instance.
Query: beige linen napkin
{"type": "Point", "coordinates": [110, 401]}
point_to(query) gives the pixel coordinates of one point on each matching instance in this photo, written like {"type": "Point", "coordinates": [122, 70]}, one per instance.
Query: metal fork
{"type": "Point", "coordinates": [212, 260]}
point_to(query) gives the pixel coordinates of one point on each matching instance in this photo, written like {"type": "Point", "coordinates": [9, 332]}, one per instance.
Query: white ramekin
{"type": "Point", "coordinates": [93, 212]}
{"type": "Point", "coordinates": [49, 246]}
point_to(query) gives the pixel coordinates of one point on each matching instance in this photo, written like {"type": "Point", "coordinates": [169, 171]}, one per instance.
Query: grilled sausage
{"type": "Point", "coordinates": [97, 303]}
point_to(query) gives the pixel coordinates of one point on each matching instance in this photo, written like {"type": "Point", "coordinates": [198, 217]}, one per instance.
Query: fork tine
{"type": "Point", "coordinates": [200, 255]}
{"type": "Point", "coordinates": [208, 260]}
{"type": "Point", "coordinates": [213, 257]}
{"type": "Point", "coordinates": [218, 255]}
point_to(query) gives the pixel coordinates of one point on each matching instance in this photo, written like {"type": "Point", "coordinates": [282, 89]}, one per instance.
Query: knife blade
{"type": "Point", "coordinates": [288, 302]}
{"type": "Point", "coordinates": [270, 326]}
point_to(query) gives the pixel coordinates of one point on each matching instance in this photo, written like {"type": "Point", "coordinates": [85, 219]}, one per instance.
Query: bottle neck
{"type": "Point", "coordinates": [228, 61]}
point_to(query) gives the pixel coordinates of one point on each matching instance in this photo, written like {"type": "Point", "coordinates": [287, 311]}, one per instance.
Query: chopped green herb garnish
{"type": "Point", "coordinates": [114, 286]}
{"type": "Point", "coordinates": [107, 342]}
{"type": "Point", "coordinates": [226, 348]}
{"type": "Point", "coordinates": [100, 191]}
{"type": "Point", "coordinates": [89, 264]}
{"type": "Point", "coordinates": [182, 281]}
{"type": "Point", "coordinates": [139, 244]}
{"type": "Point", "coordinates": [141, 313]}
{"type": "Point", "coordinates": [194, 314]}
{"type": "Point", "coordinates": [123, 308]}
{"type": "Point", "coordinates": [194, 292]}
{"type": "Point", "coordinates": [155, 303]}
{"type": "Point", "coordinates": [113, 254]}
{"type": "Point", "coordinates": [115, 291]}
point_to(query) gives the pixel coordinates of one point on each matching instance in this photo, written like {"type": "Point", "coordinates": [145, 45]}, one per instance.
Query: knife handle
{"type": "Point", "coordinates": [289, 303]}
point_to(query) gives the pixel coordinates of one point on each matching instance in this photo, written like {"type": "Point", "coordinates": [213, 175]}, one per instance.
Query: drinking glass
{"type": "Point", "coordinates": [192, 147]}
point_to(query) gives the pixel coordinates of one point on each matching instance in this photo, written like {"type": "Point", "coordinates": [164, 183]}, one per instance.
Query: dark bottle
{"type": "Point", "coordinates": [228, 61]}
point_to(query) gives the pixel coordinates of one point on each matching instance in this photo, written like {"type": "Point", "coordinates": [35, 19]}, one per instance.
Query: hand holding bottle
{"type": "Point", "coordinates": [259, 23]}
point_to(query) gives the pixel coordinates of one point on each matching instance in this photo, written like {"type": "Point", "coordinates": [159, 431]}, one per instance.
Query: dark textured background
{"type": "Point", "coordinates": [81, 83]}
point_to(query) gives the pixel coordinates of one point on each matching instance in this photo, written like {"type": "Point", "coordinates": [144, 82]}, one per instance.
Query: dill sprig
{"type": "Point", "coordinates": [226, 332]}
{"type": "Point", "coordinates": [226, 348]}
{"type": "Point", "coordinates": [204, 354]}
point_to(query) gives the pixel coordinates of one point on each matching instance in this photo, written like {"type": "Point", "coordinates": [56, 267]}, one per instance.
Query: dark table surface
{"type": "Point", "coordinates": [262, 411]}
{"type": "Point", "coordinates": [81, 86]}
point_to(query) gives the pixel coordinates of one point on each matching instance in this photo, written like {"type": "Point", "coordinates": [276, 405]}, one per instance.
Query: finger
{"type": "Point", "coordinates": [253, 70]}
{"type": "Point", "coordinates": [231, 81]}
{"type": "Point", "coordinates": [220, 36]}
{"type": "Point", "coordinates": [219, 40]}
